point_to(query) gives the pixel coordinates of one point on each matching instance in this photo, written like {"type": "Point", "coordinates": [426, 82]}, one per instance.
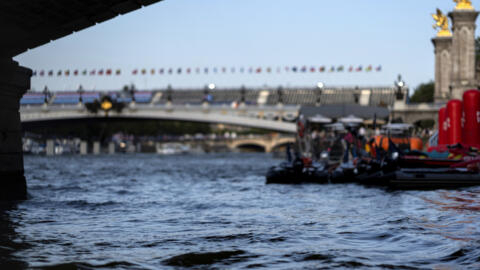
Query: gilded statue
{"type": "Point", "coordinates": [464, 4]}
{"type": "Point", "coordinates": [441, 23]}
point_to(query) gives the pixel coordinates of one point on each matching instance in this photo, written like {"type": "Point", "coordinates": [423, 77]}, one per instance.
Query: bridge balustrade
{"type": "Point", "coordinates": [32, 99]}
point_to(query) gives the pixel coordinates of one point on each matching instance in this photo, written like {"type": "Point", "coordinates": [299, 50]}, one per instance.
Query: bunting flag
{"type": "Point", "coordinates": [216, 70]}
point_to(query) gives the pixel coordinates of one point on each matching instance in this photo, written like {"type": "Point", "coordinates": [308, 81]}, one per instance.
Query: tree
{"type": "Point", "coordinates": [423, 93]}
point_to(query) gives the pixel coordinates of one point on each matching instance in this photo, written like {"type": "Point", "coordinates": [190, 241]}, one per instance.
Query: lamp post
{"type": "Point", "coordinates": [169, 94]}
{"type": "Point", "coordinates": [320, 87]}
{"type": "Point", "coordinates": [243, 92]}
{"type": "Point", "coordinates": [280, 95]}
{"type": "Point", "coordinates": [400, 84]}
{"type": "Point", "coordinates": [80, 92]}
{"type": "Point", "coordinates": [45, 94]}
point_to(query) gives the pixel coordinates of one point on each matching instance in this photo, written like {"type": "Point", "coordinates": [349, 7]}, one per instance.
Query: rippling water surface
{"type": "Point", "coordinates": [215, 211]}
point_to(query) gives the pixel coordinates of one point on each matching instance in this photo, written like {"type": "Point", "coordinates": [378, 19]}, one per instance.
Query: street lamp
{"type": "Point", "coordinates": [80, 91]}
{"type": "Point", "coordinates": [400, 84]}
{"type": "Point", "coordinates": [45, 93]}
{"type": "Point", "coordinates": [212, 86]}
{"type": "Point", "coordinates": [320, 86]}
{"type": "Point", "coordinates": [280, 95]}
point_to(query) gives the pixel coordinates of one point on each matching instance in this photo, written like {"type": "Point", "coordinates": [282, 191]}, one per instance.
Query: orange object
{"type": "Point", "coordinates": [410, 143]}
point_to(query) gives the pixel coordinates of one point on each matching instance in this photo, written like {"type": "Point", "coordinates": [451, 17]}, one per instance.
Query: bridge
{"type": "Point", "coordinates": [275, 118]}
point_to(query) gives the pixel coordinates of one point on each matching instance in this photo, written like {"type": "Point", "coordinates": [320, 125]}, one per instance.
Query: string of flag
{"type": "Point", "coordinates": [207, 70]}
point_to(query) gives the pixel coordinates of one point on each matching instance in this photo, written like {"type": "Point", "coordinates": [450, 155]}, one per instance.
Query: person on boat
{"type": "Point", "coordinates": [350, 144]}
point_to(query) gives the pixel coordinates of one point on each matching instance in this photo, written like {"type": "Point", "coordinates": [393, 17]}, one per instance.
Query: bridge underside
{"type": "Point", "coordinates": [26, 24]}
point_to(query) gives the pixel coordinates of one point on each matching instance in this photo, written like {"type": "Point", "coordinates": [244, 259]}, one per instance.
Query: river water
{"type": "Point", "coordinates": [214, 211]}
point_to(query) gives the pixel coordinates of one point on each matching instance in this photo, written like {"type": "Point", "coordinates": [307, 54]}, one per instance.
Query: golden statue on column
{"type": "Point", "coordinates": [463, 5]}
{"type": "Point", "coordinates": [441, 23]}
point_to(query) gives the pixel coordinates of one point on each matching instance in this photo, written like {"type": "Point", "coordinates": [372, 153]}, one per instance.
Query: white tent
{"type": "Point", "coordinates": [351, 119]}
{"type": "Point", "coordinates": [318, 118]}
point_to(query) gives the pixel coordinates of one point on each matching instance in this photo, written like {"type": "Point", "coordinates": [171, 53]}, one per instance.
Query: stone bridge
{"type": "Point", "coordinates": [268, 144]}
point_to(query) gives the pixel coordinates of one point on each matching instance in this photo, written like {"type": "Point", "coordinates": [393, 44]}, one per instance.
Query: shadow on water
{"type": "Point", "coordinates": [8, 244]}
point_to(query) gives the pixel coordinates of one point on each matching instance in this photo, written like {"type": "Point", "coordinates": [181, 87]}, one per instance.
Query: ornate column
{"type": "Point", "coordinates": [443, 70]}
{"type": "Point", "coordinates": [463, 49]}
{"type": "Point", "coordinates": [14, 82]}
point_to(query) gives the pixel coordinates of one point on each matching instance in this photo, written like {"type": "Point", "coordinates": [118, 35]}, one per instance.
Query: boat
{"type": "Point", "coordinates": [297, 173]}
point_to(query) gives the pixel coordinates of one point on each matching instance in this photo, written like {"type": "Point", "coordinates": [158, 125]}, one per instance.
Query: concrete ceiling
{"type": "Point", "coordinates": [26, 24]}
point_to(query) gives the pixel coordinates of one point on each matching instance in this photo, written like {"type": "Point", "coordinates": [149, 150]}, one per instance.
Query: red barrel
{"type": "Point", "coordinates": [442, 127]}
{"type": "Point", "coordinates": [471, 114]}
{"type": "Point", "coordinates": [454, 120]}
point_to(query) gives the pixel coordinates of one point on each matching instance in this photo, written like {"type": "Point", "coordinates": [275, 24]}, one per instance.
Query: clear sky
{"type": "Point", "coordinates": [249, 33]}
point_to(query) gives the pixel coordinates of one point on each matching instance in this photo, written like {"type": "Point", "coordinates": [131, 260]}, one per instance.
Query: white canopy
{"type": "Point", "coordinates": [351, 119]}
{"type": "Point", "coordinates": [318, 118]}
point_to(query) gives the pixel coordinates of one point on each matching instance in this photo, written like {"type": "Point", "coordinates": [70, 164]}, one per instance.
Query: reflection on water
{"type": "Point", "coordinates": [215, 211]}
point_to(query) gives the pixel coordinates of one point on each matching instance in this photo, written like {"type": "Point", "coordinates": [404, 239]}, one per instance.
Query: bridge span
{"type": "Point", "coordinates": [275, 118]}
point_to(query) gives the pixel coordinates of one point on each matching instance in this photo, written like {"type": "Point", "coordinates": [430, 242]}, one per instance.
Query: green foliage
{"type": "Point", "coordinates": [423, 93]}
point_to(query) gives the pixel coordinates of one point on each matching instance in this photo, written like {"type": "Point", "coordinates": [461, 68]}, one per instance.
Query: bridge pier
{"type": "Point", "coordinates": [14, 82]}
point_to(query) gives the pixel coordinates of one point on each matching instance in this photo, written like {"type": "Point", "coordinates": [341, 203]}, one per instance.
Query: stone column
{"type": "Point", "coordinates": [443, 70]}
{"type": "Point", "coordinates": [463, 51]}
{"type": "Point", "coordinates": [50, 148]}
{"type": "Point", "coordinates": [83, 148]}
{"type": "Point", "coordinates": [111, 148]}
{"type": "Point", "coordinates": [14, 82]}
{"type": "Point", "coordinates": [96, 148]}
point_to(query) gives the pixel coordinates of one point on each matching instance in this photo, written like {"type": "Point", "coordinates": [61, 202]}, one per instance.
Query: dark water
{"type": "Point", "coordinates": [214, 211]}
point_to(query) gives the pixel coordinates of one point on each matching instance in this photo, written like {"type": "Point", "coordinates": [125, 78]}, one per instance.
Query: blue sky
{"type": "Point", "coordinates": [249, 33]}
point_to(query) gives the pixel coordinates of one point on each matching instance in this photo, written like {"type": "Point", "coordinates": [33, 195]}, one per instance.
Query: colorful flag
{"type": "Point", "coordinates": [34, 73]}
{"type": "Point", "coordinates": [340, 68]}
{"type": "Point", "coordinates": [179, 71]}
{"type": "Point", "coordinates": [294, 69]}
{"type": "Point", "coordinates": [224, 69]}
{"type": "Point", "coordinates": [135, 72]}
{"type": "Point", "coordinates": [144, 71]}
{"type": "Point", "coordinates": [118, 72]}
{"type": "Point", "coordinates": [259, 70]}
{"type": "Point", "coordinates": [313, 69]}
{"type": "Point", "coordinates": [170, 71]}
{"type": "Point", "coordinates": [369, 68]}
{"type": "Point", "coordinates": [152, 71]}
{"type": "Point", "coordinates": [66, 73]}
{"type": "Point", "coordinates": [269, 69]}
{"type": "Point", "coordinates": [84, 72]}
{"type": "Point", "coordinates": [92, 72]}
{"type": "Point", "coordinates": [108, 72]}
{"type": "Point", "coordinates": [161, 71]}
{"type": "Point", "coordinates": [359, 69]}
{"type": "Point", "coordinates": [197, 70]}
{"type": "Point", "coordinates": [332, 69]}
{"type": "Point", "coordinates": [189, 70]}
{"type": "Point", "coordinates": [50, 73]}
{"type": "Point", "coordinates": [322, 69]}
{"type": "Point", "coordinates": [205, 70]}
{"type": "Point", "coordinates": [287, 69]}
{"type": "Point", "coordinates": [304, 69]}
{"type": "Point", "coordinates": [42, 73]}
{"type": "Point", "coordinates": [350, 69]}
{"type": "Point", "coordinates": [100, 72]}
{"type": "Point", "coordinates": [75, 72]}
{"type": "Point", "coordinates": [379, 68]}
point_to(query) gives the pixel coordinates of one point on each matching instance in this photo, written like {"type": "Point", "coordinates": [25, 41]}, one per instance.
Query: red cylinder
{"type": "Point", "coordinates": [454, 120]}
{"type": "Point", "coordinates": [442, 127]}
{"type": "Point", "coordinates": [471, 114]}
